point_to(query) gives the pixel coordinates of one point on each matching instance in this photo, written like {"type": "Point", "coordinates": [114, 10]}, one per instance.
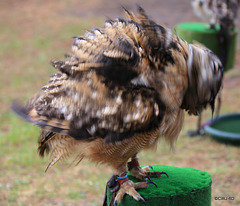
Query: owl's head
{"type": "Point", "coordinates": [205, 74]}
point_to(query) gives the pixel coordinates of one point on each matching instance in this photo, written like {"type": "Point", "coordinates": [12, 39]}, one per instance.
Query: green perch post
{"type": "Point", "coordinates": [185, 186]}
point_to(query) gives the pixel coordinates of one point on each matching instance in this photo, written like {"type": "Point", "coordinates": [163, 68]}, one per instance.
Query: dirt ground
{"type": "Point", "coordinates": [167, 12]}
{"type": "Point", "coordinates": [27, 18]}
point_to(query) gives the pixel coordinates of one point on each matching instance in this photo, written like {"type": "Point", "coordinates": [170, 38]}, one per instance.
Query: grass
{"type": "Point", "coordinates": [24, 70]}
{"type": "Point", "coordinates": [25, 52]}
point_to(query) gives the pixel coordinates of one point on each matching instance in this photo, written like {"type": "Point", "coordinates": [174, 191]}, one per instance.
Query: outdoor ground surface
{"type": "Point", "coordinates": [34, 32]}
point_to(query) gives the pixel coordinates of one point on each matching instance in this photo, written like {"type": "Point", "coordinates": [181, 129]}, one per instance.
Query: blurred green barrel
{"type": "Point", "coordinates": [200, 32]}
{"type": "Point", "coordinates": [184, 187]}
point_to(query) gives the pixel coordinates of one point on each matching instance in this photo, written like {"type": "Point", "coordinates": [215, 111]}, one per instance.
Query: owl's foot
{"type": "Point", "coordinates": [129, 188]}
{"type": "Point", "coordinates": [143, 173]}
{"type": "Point", "coordinates": [121, 185]}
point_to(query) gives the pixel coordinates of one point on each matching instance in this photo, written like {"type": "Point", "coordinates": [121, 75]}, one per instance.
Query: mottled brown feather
{"type": "Point", "coordinates": [123, 87]}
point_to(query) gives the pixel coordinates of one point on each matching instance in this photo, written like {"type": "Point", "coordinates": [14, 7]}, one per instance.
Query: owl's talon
{"type": "Point", "coordinates": [156, 174]}
{"type": "Point", "coordinates": [161, 173]}
{"type": "Point", "coordinates": [150, 166]}
{"type": "Point", "coordinates": [141, 198]}
{"type": "Point", "coordinates": [147, 177]}
{"type": "Point", "coordinates": [151, 182]}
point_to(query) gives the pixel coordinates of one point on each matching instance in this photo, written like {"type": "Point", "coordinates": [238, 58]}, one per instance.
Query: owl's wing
{"type": "Point", "coordinates": [89, 108]}
{"type": "Point", "coordinates": [102, 88]}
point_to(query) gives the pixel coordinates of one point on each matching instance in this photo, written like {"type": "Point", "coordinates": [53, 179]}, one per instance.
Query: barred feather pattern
{"type": "Point", "coordinates": [64, 146]}
{"type": "Point", "coordinates": [123, 87]}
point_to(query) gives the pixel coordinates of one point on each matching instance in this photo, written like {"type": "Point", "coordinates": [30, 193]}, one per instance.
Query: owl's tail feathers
{"type": "Point", "coordinates": [22, 111]}
{"type": "Point", "coordinates": [31, 115]}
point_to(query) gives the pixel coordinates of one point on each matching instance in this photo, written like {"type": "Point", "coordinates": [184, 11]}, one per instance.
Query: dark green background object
{"type": "Point", "coordinates": [184, 187]}
{"type": "Point", "coordinates": [190, 31]}
{"type": "Point", "coordinates": [225, 128]}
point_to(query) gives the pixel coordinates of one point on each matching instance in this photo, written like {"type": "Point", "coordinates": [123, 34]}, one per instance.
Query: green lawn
{"type": "Point", "coordinates": [25, 52]}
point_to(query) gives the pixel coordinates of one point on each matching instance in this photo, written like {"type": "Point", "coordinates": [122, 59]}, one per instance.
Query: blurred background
{"type": "Point", "coordinates": [33, 32]}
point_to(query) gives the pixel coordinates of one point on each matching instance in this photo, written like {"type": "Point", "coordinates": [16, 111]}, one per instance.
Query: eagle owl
{"type": "Point", "coordinates": [121, 89]}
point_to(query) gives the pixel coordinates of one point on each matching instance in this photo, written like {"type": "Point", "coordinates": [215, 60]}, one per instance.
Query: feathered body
{"type": "Point", "coordinates": [122, 88]}
{"type": "Point", "coordinates": [223, 12]}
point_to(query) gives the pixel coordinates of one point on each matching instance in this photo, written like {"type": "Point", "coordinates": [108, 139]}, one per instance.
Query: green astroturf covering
{"type": "Point", "coordinates": [184, 187]}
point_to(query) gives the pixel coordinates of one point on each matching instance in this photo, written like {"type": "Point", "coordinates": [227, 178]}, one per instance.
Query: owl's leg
{"type": "Point", "coordinates": [142, 172]}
